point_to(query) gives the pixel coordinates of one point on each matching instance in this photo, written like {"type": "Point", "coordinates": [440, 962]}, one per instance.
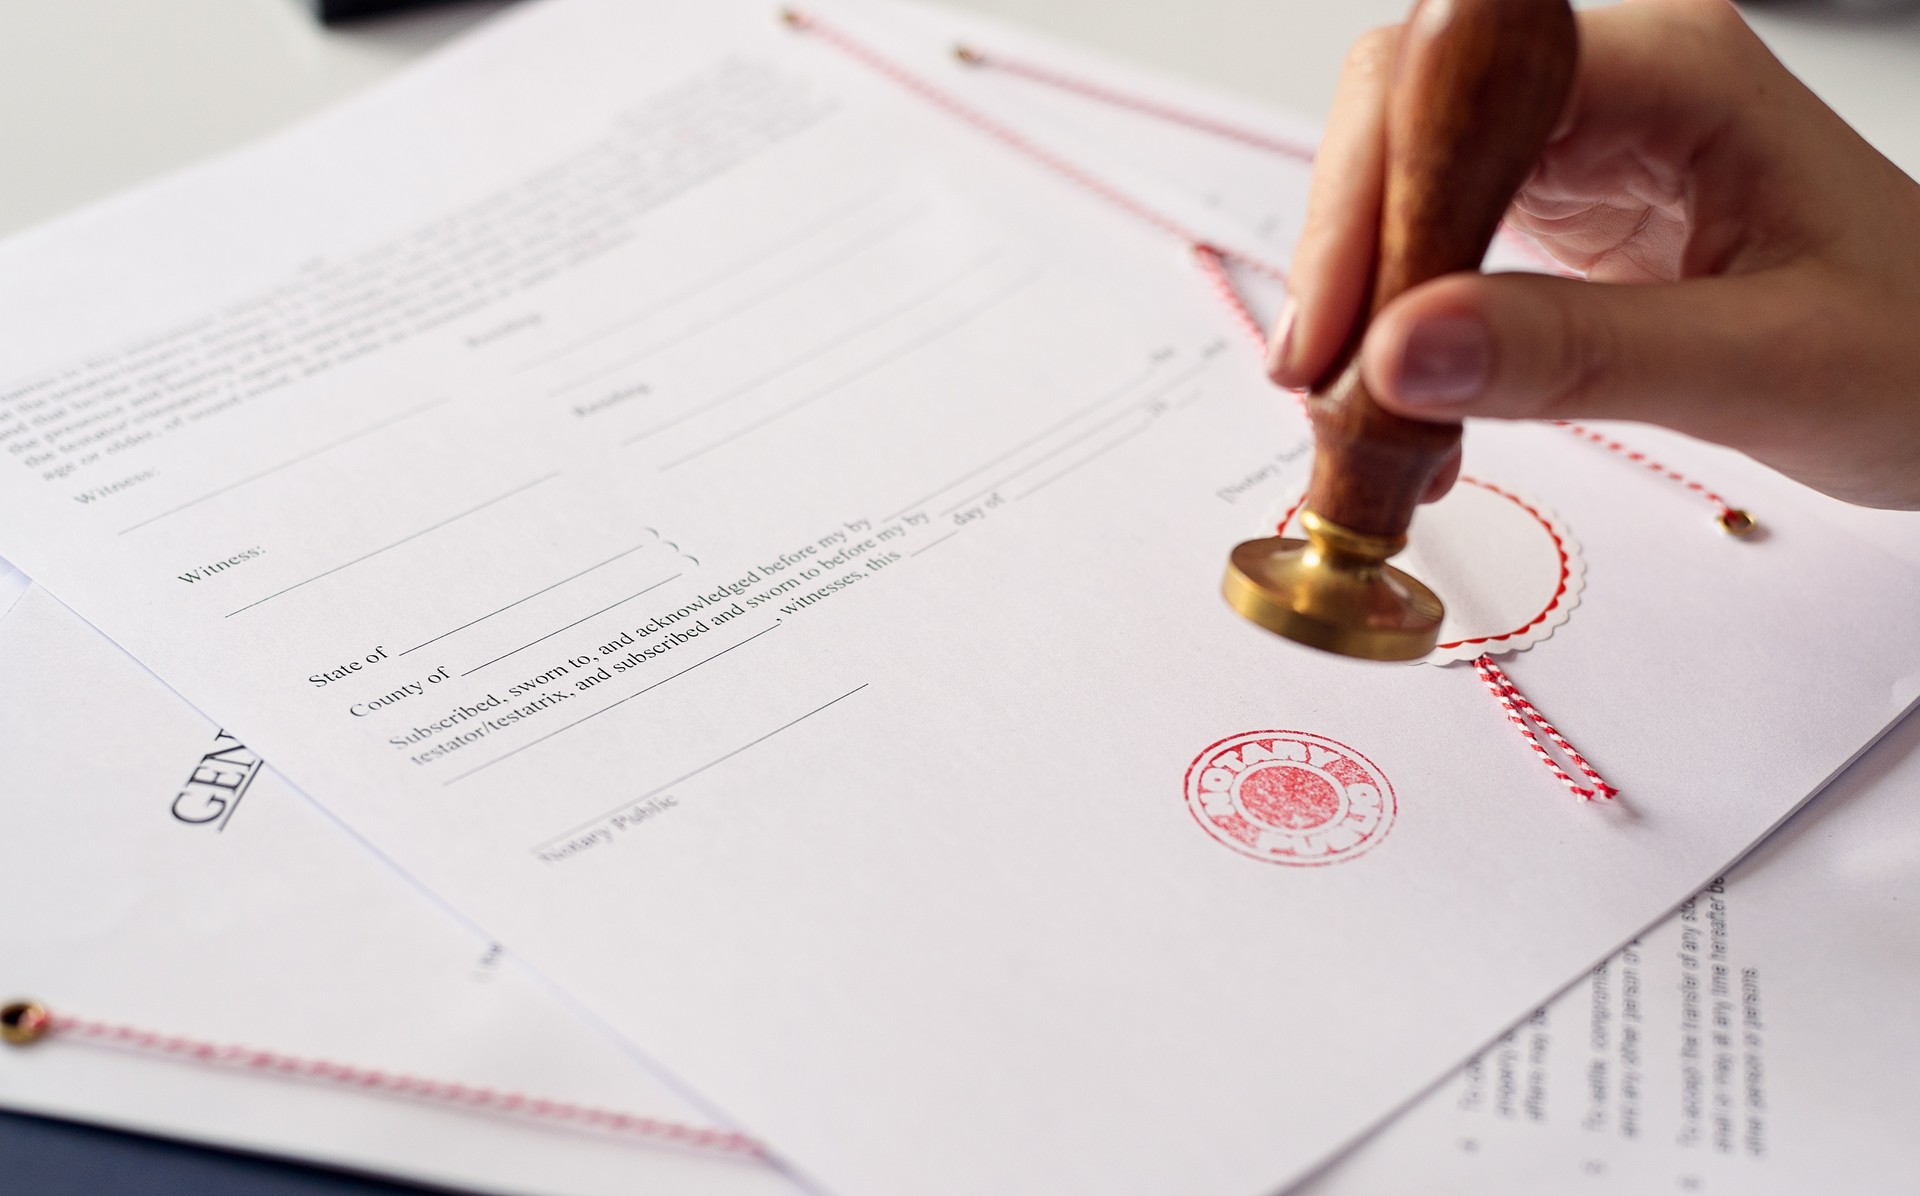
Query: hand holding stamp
{"type": "Point", "coordinates": [1476, 89]}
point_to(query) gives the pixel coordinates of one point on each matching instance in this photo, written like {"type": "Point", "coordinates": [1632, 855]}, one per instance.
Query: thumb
{"type": "Point", "coordinates": [1705, 357]}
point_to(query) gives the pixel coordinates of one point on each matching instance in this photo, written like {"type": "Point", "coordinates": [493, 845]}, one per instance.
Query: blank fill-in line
{"type": "Point", "coordinates": [888, 358]}
{"type": "Point", "coordinates": [1084, 433]}
{"type": "Point", "coordinates": [659, 789]}
{"type": "Point", "coordinates": [569, 627]}
{"type": "Point", "coordinates": [738, 266]}
{"type": "Point", "coordinates": [1102, 451]}
{"type": "Point", "coordinates": [1049, 455]}
{"type": "Point", "coordinates": [397, 543]}
{"type": "Point", "coordinates": [1030, 441]}
{"type": "Point", "coordinates": [826, 346]}
{"type": "Point", "coordinates": [768, 294]}
{"type": "Point", "coordinates": [309, 454]}
{"type": "Point", "coordinates": [609, 706]}
{"type": "Point", "coordinates": [936, 543]}
{"type": "Point", "coordinates": [516, 602]}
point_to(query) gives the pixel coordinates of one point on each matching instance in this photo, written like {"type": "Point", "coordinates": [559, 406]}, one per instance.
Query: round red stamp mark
{"type": "Point", "coordinates": [1290, 797]}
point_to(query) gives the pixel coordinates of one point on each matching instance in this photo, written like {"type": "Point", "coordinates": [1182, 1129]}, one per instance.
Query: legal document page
{"type": "Point", "coordinates": [751, 545]}
{"type": "Point", "coordinates": [211, 900]}
{"type": "Point", "coordinates": [1757, 1042]}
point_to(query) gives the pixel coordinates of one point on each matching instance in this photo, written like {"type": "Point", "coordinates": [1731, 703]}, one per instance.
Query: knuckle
{"type": "Point", "coordinates": [1715, 15]}
{"type": "Point", "coordinates": [1371, 56]}
{"type": "Point", "coordinates": [1581, 359]}
{"type": "Point", "coordinates": [1560, 358]}
{"type": "Point", "coordinates": [1703, 26]}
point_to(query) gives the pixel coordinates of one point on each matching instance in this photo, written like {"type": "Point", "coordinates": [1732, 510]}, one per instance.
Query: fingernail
{"type": "Point", "coordinates": [1445, 361]}
{"type": "Point", "coordinates": [1280, 346]}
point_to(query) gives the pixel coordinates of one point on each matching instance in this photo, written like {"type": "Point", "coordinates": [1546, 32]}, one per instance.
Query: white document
{"type": "Point", "coordinates": [218, 862]}
{"type": "Point", "coordinates": [560, 513]}
{"type": "Point", "coordinates": [1761, 1041]}
{"type": "Point", "coordinates": [13, 584]}
{"type": "Point", "coordinates": [165, 879]}
{"type": "Point", "coordinates": [273, 905]}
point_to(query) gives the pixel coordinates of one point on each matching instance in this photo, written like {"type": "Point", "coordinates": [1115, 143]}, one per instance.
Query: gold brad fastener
{"type": "Point", "coordinates": [24, 1022]}
{"type": "Point", "coordinates": [1736, 522]}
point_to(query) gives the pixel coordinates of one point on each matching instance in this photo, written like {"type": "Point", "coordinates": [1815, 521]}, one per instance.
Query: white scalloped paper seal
{"type": "Point", "coordinates": [1507, 568]}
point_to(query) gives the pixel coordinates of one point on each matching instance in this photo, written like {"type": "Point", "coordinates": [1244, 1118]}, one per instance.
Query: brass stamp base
{"type": "Point", "coordinates": [1334, 591]}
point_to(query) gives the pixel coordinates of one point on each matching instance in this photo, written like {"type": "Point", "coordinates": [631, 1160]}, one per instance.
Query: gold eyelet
{"type": "Point", "coordinates": [24, 1022]}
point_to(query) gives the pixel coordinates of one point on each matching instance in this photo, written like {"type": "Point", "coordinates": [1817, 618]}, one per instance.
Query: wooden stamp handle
{"type": "Point", "coordinates": [1477, 88]}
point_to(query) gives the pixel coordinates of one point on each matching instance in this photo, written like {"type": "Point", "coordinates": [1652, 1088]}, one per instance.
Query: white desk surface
{"type": "Point", "coordinates": [96, 95]}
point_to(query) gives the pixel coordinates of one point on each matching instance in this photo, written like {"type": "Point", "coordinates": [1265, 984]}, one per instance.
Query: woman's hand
{"type": "Point", "coordinates": [1752, 264]}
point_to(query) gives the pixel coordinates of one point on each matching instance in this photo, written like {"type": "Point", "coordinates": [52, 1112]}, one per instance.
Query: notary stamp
{"type": "Point", "coordinates": [1290, 797]}
{"type": "Point", "coordinates": [1509, 568]}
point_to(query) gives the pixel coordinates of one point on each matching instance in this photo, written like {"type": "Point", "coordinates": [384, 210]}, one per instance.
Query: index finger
{"type": "Point", "coordinates": [1333, 260]}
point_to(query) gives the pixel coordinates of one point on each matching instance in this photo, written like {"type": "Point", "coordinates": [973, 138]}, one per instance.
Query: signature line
{"type": "Point", "coordinates": [696, 772]}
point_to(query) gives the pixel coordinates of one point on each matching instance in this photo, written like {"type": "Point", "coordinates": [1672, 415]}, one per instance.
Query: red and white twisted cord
{"type": "Point", "coordinates": [28, 1022]}
{"type": "Point", "coordinates": [1012, 139]}
{"type": "Point", "coordinates": [1526, 716]}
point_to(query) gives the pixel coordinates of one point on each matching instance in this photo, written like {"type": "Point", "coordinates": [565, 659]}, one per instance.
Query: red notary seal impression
{"type": "Point", "coordinates": [1290, 797]}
